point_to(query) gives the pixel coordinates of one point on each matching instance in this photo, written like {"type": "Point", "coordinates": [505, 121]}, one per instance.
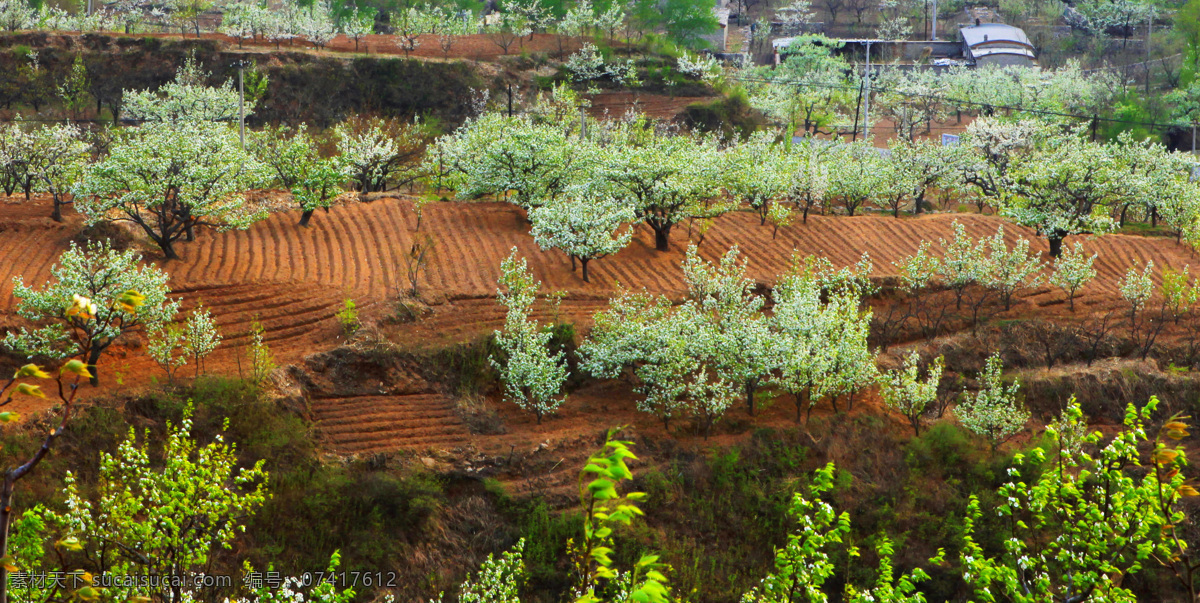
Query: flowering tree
{"type": "Point", "coordinates": [811, 335]}
{"type": "Point", "coordinates": [994, 411]}
{"type": "Point", "coordinates": [807, 560]}
{"type": "Point", "coordinates": [964, 262]}
{"type": "Point", "coordinates": [358, 24]}
{"type": "Point", "coordinates": [533, 376]}
{"type": "Point", "coordinates": [686, 358]}
{"type": "Point", "coordinates": [377, 152]}
{"type": "Point", "coordinates": [67, 382]}
{"type": "Point", "coordinates": [315, 23]}
{"type": "Point", "coordinates": [860, 175]}
{"type": "Point", "coordinates": [171, 345]}
{"type": "Point", "coordinates": [499, 579]}
{"type": "Point", "coordinates": [295, 164]}
{"type": "Point", "coordinates": [742, 350]}
{"type": "Point", "coordinates": [186, 98]}
{"type": "Point", "coordinates": [754, 173]}
{"type": "Point", "coordinates": [58, 156]}
{"type": "Point", "coordinates": [588, 65]}
{"type": "Point", "coordinates": [518, 156]}
{"type": "Point", "coordinates": [97, 294]}
{"type": "Point", "coordinates": [1072, 270]}
{"type": "Point", "coordinates": [501, 155]}
{"type": "Point", "coordinates": [666, 179]}
{"type": "Point", "coordinates": [808, 183]}
{"type": "Point", "coordinates": [15, 148]}
{"type": "Point", "coordinates": [808, 90]}
{"type": "Point", "coordinates": [927, 165]}
{"type": "Point", "coordinates": [1065, 187]}
{"type": "Point", "coordinates": [163, 520]}
{"type": "Point", "coordinates": [169, 179]}
{"type": "Point", "coordinates": [990, 147]}
{"type": "Point", "coordinates": [638, 332]}
{"type": "Point", "coordinates": [1136, 288]}
{"type": "Point", "coordinates": [903, 390]}
{"type": "Point", "coordinates": [1009, 270]}
{"type": "Point", "coordinates": [246, 20]}
{"type": "Point", "coordinates": [583, 229]}
{"type": "Point", "coordinates": [1082, 521]}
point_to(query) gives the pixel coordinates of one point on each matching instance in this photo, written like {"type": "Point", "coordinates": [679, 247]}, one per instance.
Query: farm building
{"type": "Point", "coordinates": [996, 44]}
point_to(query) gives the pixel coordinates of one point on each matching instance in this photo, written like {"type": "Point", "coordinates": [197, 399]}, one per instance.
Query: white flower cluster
{"type": "Point", "coordinates": [587, 64]}
{"type": "Point", "coordinates": [701, 66]}
{"type": "Point", "coordinates": [533, 376]}
{"type": "Point", "coordinates": [994, 411]}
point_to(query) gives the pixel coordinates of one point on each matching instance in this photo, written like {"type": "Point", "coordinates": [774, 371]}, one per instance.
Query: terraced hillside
{"type": "Point", "coordinates": [293, 280]}
{"type": "Point", "coordinates": [367, 424]}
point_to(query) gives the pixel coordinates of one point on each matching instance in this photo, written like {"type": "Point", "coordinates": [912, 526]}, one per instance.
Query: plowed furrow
{"type": "Point", "coordinates": [388, 422]}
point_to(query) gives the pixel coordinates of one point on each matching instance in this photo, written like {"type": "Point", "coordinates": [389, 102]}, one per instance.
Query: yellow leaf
{"type": "Point", "coordinates": [130, 301]}
{"type": "Point", "coordinates": [9, 416]}
{"type": "Point", "coordinates": [26, 389]}
{"type": "Point", "coordinates": [70, 543]}
{"type": "Point", "coordinates": [9, 563]}
{"type": "Point", "coordinates": [87, 593]}
{"type": "Point", "coordinates": [1165, 455]}
{"type": "Point", "coordinates": [31, 370]}
{"type": "Point", "coordinates": [77, 367]}
{"type": "Point", "coordinates": [1186, 490]}
{"type": "Point", "coordinates": [1177, 434]}
{"type": "Point", "coordinates": [1179, 425]}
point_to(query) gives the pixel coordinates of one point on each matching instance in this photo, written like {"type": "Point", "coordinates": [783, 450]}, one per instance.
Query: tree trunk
{"type": "Point", "coordinates": [583, 262]}
{"type": "Point", "coordinates": [168, 249]}
{"type": "Point", "coordinates": [1056, 241]}
{"type": "Point", "coordinates": [56, 215]}
{"type": "Point", "coordinates": [662, 237]}
{"type": "Point", "coordinates": [750, 396]}
{"type": "Point", "coordinates": [92, 359]}
{"type": "Point", "coordinates": [305, 217]}
{"type": "Point", "coordinates": [5, 519]}
{"type": "Point", "coordinates": [189, 232]}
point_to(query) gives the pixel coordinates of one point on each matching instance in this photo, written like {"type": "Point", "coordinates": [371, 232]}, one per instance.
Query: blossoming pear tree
{"type": "Point", "coordinates": [1073, 269]}
{"type": "Point", "coordinates": [170, 179]}
{"type": "Point", "coordinates": [903, 390]}
{"type": "Point", "coordinates": [994, 411]}
{"type": "Point", "coordinates": [96, 294]}
{"type": "Point", "coordinates": [532, 374]}
{"type": "Point", "coordinates": [584, 229]}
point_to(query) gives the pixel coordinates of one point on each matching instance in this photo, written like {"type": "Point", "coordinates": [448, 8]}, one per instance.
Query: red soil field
{"type": "Point", "coordinates": [474, 46]}
{"type": "Point", "coordinates": [294, 279]}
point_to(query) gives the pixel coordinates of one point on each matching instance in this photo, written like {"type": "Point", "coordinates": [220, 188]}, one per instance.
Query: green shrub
{"type": "Point", "coordinates": [348, 317]}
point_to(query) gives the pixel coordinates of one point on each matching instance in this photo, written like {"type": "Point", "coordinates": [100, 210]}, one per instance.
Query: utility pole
{"type": "Point", "coordinates": [867, 97]}
{"type": "Point", "coordinates": [933, 24]}
{"type": "Point", "coordinates": [241, 65]}
{"type": "Point", "coordinates": [1149, 31]}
